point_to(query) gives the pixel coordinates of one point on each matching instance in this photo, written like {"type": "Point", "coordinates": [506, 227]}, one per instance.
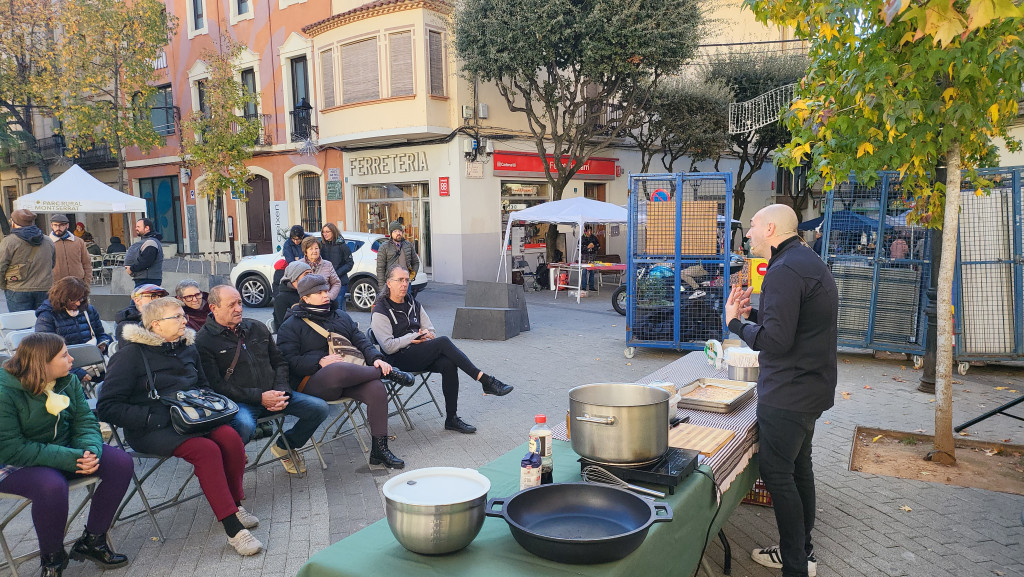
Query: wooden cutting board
{"type": "Point", "coordinates": [707, 440]}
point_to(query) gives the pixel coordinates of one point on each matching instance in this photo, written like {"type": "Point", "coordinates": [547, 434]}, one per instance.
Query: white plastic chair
{"type": "Point", "coordinates": [14, 338]}
{"type": "Point", "coordinates": [10, 322]}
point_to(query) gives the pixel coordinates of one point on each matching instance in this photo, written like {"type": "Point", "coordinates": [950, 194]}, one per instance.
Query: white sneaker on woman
{"type": "Point", "coordinates": [245, 543]}
{"type": "Point", "coordinates": [247, 519]}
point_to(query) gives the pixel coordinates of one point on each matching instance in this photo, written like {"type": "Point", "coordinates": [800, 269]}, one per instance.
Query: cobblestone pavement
{"type": "Point", "coordinates": [861, 531]}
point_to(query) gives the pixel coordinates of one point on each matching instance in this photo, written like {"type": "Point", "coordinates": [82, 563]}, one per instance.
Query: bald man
{"type": "Point", "coordinates": [795, 331]}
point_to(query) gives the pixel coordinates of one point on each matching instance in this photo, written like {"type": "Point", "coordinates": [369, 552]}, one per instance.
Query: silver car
{"type": "Point", "coordinates": [253, 275]}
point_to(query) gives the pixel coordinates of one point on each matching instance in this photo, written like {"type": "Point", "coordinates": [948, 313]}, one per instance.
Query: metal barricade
{"type": "Point", "coordinates": [678, 265]}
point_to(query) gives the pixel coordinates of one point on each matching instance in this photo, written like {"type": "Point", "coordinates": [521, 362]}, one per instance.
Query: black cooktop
{"type": "Point", "coordinates": [674, 466]}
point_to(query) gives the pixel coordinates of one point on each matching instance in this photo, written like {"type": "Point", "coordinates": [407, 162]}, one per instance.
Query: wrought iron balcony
{"type": "Point", "coordinates": [302, 122]}
{"type": "Point", "coordinates": [266, 135]}
{"type": "Point", "coordinates": [98, 155]}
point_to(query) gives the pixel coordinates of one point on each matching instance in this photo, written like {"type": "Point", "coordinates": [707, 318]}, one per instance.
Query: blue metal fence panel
{"type": "Point", "coordinates": [678, 270]}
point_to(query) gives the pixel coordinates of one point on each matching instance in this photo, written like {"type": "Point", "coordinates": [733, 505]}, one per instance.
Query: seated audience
{"type": "Point", "coordinates": [409, 341]}
{"type": "Point", "coordinates": [163, 349]}
{"type": "Point", "coordinates": [49, 436]}
{"type": "Point", "coordinates": [320, 266]}
{"type": "Point", "coordinates": [316, 371]}
{"type": "Point", "coordinates": [116, 245]}
{"type": "Point", "coordinates": [130, 315]}
{"type": "Point", "coordinates": [287, 295]}
{"type": "Point", "coordinates": [67, 312]}
{"type": "Point", "coordinates": [196, 307]}
{"type": "Point", "coordinates": [90, 244]}
{"type": "Point", "coordinates": [258, 380]}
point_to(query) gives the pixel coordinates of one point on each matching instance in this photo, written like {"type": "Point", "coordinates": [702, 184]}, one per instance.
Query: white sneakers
{"type": "Point", "coordinates": [247, 519]}
{"type": "Point", "coordinates": [772, 557]}
{"type": "Point", "coordinates": [245, 543]}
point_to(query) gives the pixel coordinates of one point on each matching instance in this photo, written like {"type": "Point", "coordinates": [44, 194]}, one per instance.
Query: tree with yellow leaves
{"type": "Point", "coordinates": [99, 78]}
{"type": "Point", "coordinates": [907, 85]}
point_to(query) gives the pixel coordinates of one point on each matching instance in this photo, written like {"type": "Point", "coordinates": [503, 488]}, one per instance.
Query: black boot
{"type": "Point", "coordinates": [381, 455]}
{"type": "Point", "coordinates": [454, 423]}
{"type": "Point", "coordinates": [96, 549]}
{"type": "Point", "coordinates": [401, 378]}
{"type": "Point", "coordinates": [54, 563]}
{"type": "Point", "coordinates": [493, 386]}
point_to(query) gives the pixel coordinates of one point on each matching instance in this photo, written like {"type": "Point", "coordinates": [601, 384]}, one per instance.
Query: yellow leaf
{"type": "Point", "coordinates": [800, 151]}
{"type": "Point", "coordinates": [876, 438]}
{"type": "Point", "coordinates": [905, 508]}
{"type": "Point", "coordinates": [865, 147]}
{"type": "Point", "coordinates": [828, 32]}
{"type": "Point", "coordinates": [993, 112]}
{"type": "Point", "coordinates": [979, 13]}
{"type": "Point", "coordinates": [949, 93]}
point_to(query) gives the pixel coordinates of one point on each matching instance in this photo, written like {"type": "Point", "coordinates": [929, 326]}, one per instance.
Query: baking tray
{"type": "Point", "coordinates": [744, 388]}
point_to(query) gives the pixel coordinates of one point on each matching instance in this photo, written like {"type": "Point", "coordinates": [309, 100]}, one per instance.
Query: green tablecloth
{"type": "Point", "coordinates": [670, 548]}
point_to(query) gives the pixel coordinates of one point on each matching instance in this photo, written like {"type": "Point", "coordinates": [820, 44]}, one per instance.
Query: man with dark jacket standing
{"type": "Point", "coordinates": [242, 363]}
{"type": "Point", "coordinates": [396, 251]}
{"type": "Point", "coordinates": [144, 260]}
{"type": "Point", "coordinates": [73, 257]}
{"type": "Point", "coordinates": [26, 263]}
{"type": "Point", "coordinates": [590, 244]}
{"type": "Point", "coordinates": [795, 331]}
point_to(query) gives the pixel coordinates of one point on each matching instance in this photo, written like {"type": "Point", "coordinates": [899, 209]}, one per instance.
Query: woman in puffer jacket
{"type": "Point", "coordinates": [321, 266]}
{"type": "Point", "coordinates": [67, 313]}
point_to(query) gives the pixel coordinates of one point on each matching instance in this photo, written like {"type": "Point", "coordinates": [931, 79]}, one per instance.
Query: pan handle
{"type": "Point", "coordinates": [662, 512]}
{"type": "Point", "coordinates": [600, 420]}
{"type": "Point", "coordinates": [490, 507]}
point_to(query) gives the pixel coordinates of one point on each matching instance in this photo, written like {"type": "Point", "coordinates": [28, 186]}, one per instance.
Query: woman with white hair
{"type": "Point", "coordinates": [163, 349]}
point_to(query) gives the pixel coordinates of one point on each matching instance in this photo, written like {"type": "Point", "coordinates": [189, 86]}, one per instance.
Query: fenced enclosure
{"type": "Point", "coordinates": [678, 270]}
{"type": "Point", "coordinates": [989, 285]}
{"type": "Point", "coordinates": [881, 265]}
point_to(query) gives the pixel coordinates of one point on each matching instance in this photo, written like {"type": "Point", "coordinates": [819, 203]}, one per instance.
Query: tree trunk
{"type": "Point", "coordinates": [551, 236]}
{"type": "Point", "coordinates": [945, 452]}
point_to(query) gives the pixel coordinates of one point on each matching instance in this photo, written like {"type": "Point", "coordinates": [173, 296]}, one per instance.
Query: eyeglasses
{"type": "Point", "coordinates": [400, 280]}
{"type": "Point", "coordinates": [177, 317]}
{"type": "Point", "coordinates": [192, 297]}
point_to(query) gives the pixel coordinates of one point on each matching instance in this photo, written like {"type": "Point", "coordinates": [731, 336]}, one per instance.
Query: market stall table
{"type": "Point", "coordinates": [670, 548]}
{"type": "Point", "coordinates": [556, 268]}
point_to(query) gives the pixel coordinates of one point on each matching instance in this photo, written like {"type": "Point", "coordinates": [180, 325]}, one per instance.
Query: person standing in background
{"type": "Point", "coordinates": [396, 252]}
{"type": "Point", "coordinates": [591, 245]}
{"type": "Point", "coordinates": [144, 260]}
{"type": "Point", "coordinates": [72, 256]}
{"type": "Point", "coordinates": [292, 250]}
{"type": "Point", "coordinates": [335, 250]}
{"type": "Point", "coordinates": [27, 257]}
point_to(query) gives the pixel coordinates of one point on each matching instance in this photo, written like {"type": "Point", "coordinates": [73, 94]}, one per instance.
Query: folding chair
{"type": "Point", "coordinates": [10, 322]}
{"type": "Point", "coordinates": [402, 407]}
{"type": "Point", "coordinates": [14, 338]}
{"type": "Point", "coordinates": [97, 270]}
{"type": "Point", "coordinates": [350, 410]}
{"type": "Point", "coordinates": [89, 483]}
{"type": "Point", "coordinates": [86, 355]}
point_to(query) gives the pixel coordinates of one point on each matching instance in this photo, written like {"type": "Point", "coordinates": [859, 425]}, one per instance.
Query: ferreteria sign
{"type": "Point", "coordinates": [388, 163]}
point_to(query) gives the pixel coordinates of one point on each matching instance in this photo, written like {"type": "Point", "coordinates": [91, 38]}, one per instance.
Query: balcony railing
{"type": "Point", "coordinates": [98, 155]}
{"type": "Point", "coordinates": [266, 135]}
{"type": "Point", "coordinates": [302, 127]}
{"type": "Point", "coordinates": [160, 61]}
{"type": "Point", "coordinates": [53, 148]}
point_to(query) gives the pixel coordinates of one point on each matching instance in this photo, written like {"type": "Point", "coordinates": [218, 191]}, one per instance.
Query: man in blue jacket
{"type": "Point", "coordinates": [795, 331]}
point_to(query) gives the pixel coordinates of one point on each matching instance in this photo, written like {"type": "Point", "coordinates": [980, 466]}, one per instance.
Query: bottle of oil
{"type": "Point", "coordinates": [540, 443]}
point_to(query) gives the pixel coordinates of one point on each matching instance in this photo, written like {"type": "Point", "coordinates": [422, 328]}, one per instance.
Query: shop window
{"type": "Point", "coordinates": [435, 49]}
{"type": "Point", "coordinates": [360, 74]}
{"type": "Point", "coordinates": [520, 196]}
{"type": "Point", "coordinates": [162, 205]}
{"type": "Point", "coordinates": [400, 62]}
{"type": "Point", "coordinates": [309, 199]}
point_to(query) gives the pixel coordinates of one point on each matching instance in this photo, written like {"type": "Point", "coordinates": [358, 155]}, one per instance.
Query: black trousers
{"type": "Point", "coordinates": [785, 463]}
{"type": "Point", "coordinates": [438, 355]}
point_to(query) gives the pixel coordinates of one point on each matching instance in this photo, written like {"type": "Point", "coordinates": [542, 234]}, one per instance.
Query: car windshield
{"type": "Point", "coordinates": [354, 245]}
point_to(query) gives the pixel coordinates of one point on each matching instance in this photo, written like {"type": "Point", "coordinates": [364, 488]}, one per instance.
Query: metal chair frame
{"type": "Point", "coordinates": [402, 407]}
{"type": "Point", "coordinates": [12, 562]}
{"type": "Point", "coordinates": [350, 408]}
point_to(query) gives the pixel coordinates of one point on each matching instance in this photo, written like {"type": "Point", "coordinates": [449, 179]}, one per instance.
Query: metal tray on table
{"type": "Point", "coordinates": [743, 390]}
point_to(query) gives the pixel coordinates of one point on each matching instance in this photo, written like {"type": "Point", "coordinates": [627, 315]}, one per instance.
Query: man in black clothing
{"type": "Point", "coordinates": [144, 260]}
{"type": "Point", "coordinates": [258, 379]}
{"type": "Point", "coordinates": [795, 332]}
{"type": "Point", "coordinates": [590, 245]}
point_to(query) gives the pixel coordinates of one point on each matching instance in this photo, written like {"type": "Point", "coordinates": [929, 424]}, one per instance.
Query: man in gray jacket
{"type": "Point", "coordinates": [396, 251]}
{"type": "Point", "coordinates": [27, 258]}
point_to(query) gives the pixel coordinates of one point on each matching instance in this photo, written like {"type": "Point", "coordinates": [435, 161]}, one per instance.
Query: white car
{"type": "Point", "coordinates": [253, 275]}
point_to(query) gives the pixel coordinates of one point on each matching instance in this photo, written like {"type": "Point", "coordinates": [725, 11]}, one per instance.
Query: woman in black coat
{"type": "Point", "coordinates": [164, 344]}
{"type": "Point", "coordinates": [335, 250]}
{"type": "Point", "coordinates": [315, 371]}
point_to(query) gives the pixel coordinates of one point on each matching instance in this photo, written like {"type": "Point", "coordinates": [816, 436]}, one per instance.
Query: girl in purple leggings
{"type": "Point", "coordinates": [48, 436]}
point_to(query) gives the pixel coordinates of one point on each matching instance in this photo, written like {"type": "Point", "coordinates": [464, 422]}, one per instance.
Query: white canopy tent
{"type": "Point", "coordinates": [78, 191]}
{"type": "Point", "coordinates": [575, 211]}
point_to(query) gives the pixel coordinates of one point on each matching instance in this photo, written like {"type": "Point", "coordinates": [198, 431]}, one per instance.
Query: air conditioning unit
{"type": "Point", "coordinates": [483, 110]}
{"type": "Point", "coordinates": [467, 111]}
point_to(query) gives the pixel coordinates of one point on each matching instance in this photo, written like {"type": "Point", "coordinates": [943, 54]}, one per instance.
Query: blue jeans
{"type": "Point", "coordinates": [341, 296]}
{"type": "Point", "coordinates": [785, 463]}
{"type": "Point", "coordinates": [310, 411]}
{"type": "Point", "coordinates": [24, 301]}
{"type": "Point", "coordinates": [588, 280]}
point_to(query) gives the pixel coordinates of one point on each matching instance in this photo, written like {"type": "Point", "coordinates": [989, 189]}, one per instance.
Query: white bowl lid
{"type": "Point", "coordinates": [437, 486]}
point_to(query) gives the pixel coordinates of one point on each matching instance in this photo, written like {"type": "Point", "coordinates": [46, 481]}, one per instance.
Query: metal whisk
{"type": "Point", "coordinates": [595, 474]}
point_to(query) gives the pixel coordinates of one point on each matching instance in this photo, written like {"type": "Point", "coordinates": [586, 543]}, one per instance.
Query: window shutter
{"type": "Point", "coordinates": [360, 73]}
{"type": "Point", "coordinates": [436, 47]}
{"type": "Point", "coordinates": [327, 73]}
{"type": "Point", "coordinates": [400, 44]}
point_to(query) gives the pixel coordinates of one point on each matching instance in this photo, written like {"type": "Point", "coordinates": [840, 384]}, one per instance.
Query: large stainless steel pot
{"type": "Point", "coordinates": [619, 423]}
{"type": "Point", "coordinates": [436, 510]}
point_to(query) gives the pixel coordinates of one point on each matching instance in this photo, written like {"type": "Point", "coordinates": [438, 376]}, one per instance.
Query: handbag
{"type": "Point", "coordinates": [195, 411]}
{"type": "Point", "coordinates": [336, 345]}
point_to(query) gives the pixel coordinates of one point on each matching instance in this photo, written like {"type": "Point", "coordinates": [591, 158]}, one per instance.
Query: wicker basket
{"type": "Point", "coordinates": [758, 495]}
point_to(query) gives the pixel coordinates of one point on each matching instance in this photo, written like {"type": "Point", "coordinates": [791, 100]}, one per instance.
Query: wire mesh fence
{"type": "Point", "coordinates": [678, 270]}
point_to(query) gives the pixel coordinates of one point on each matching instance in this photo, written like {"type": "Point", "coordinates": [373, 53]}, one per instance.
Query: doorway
{"type": "Point", "coordinates": [257, 215]}
{"type": "Point", "coordinates": [163, 200]}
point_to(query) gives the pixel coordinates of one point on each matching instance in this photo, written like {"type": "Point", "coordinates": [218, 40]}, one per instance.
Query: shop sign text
{"type": "Point", "coordinates": [389, 163]}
